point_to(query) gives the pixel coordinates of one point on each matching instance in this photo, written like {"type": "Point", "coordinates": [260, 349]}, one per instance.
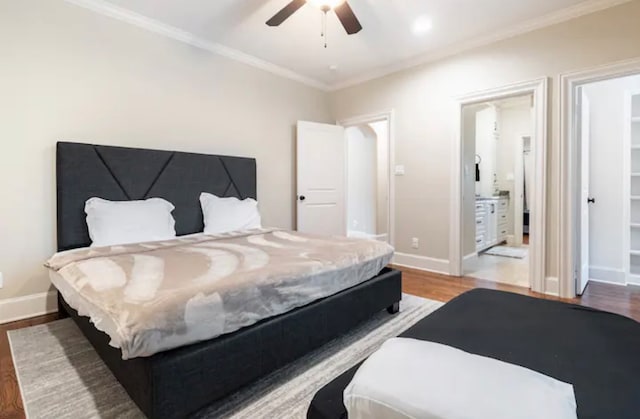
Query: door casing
{"type": "Point", "coordinates": [568, 147]}
{"type": "Point", "coordinates": [538, 219]}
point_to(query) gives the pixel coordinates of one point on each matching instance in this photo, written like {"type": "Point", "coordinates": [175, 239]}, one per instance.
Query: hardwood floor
{"type": "Point", "coordinates": [617, 299]}
{"type": "Point", "coordinates": [10, 399]}
{"type": "Point", "coordinates": [613, 298]}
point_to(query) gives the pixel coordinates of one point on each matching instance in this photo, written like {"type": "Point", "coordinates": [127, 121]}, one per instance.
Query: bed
{"type": "Point", "coordinates": [178, 382]}
{"type": "Point", "coordinates": [595, 351]}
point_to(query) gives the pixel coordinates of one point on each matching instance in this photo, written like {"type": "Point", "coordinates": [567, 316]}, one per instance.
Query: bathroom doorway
{"type": "Point", "coordinates": [497, 144]}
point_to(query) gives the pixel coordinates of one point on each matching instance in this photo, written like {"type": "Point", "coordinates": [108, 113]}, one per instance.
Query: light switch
{"type": "Point", "coordinates": [399, 170]}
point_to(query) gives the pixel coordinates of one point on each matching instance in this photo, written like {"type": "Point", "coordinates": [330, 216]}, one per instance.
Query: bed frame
{"type": "Point", "coordinates": [179, 382]}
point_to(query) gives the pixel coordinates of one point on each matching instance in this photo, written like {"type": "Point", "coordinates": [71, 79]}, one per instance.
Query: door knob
{"type": "Point", "coordinates": [591, 200]}
{"type": "Point", "coordinates": [302, 197]}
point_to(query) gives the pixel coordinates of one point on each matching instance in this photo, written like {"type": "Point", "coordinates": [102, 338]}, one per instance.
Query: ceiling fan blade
{"type": "Point", "coordinates": [286, 12]}
{"type": "Point", "coordinates": [348, 18]}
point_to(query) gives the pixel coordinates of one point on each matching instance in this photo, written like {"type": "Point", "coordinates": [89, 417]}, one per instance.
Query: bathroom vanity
{"type": "Point", "coordinates": [492, 221]}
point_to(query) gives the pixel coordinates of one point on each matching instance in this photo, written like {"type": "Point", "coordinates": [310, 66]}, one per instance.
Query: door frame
{"type": "Point", "coordinates": [389, 116]}
{"type": "Point", "coordinates": [582, 192]}
{"type": "Point", "coordinates": [538, 219]}
{"type": "Point", "coordinates": [568, 164]}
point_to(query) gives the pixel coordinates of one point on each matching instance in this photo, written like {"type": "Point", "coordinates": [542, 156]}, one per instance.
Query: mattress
{"type": "Point", "coordinates": [152, 297]}
{"type": "Point", "coordinates": [595, 351]}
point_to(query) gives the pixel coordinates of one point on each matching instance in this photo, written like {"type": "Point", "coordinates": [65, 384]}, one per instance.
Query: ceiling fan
{"type": "Point", "coordinates": [340, 7]}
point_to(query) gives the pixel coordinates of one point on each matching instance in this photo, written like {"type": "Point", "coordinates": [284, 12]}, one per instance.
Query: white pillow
{"type": "Point", "coordinates": [222, 215]}
{"type": "Point", "coordinates": [408, 378]}
{"type": "Point", "coordinates": [122, 222]}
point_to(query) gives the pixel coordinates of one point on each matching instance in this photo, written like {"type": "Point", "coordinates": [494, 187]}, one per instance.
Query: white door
{"type": "Point", "coordinates": [584, 137]}
{"type": "Point", "coordinates": [321, 150]}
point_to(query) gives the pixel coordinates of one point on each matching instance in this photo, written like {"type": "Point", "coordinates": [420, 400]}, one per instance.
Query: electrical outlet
{"type": "Point", "coordinates": [415, 243]}
{"type": "Point", "coordinates": [399, 170]}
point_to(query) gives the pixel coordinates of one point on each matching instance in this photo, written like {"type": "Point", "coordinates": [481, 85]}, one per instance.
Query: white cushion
{"type": "Point", "coordinates": [121, 222]}
{"type": "Point", "coordinates": [222, 215]}
{"type": "Point", "coordinates": [408, 378]}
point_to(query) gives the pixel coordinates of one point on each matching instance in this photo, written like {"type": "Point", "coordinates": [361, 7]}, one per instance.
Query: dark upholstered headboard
{"type": "Point", "coordinates": [119, 174]}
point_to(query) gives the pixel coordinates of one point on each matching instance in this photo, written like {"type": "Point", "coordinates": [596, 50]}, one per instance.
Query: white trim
{"type": "Point", "coordinates": [389, 116]}
{"type": "Point", "coordinates": [608, 282]}
{"type": "Point", "coordinates": [125, 15]}
{"type": "Point", "coordinates": [33, 305]}
{"type": "Point", "coordinates": [423, 263]}
{"type": "Point", "coordinates": [471, 256]}
{"type": "Point", "coordinates": [607, 275]}
{"type": "Point", "coordinates": [567, 162]}
{"type": "Point", "coordinates": [633, 280]}
{"type": "Point", "coordinates": [538, 219]}
{"type": "Point", "coordinates": [554, 18]}
{"type": "Point", "coordinates": [551, 286]}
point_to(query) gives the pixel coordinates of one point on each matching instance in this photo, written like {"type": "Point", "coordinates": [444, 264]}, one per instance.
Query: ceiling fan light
{"type": "Point", "coordinates": [326, 4]}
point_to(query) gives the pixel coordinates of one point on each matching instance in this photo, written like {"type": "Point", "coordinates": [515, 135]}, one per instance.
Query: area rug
{"type": "Point", "coordinates": [61, 376]}
{"type": "Point", "coordinates": [508, 252]}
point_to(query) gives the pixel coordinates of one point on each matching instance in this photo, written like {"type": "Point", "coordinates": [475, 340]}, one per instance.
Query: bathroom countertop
{"type": "Point", "coordinates": [492, 198]}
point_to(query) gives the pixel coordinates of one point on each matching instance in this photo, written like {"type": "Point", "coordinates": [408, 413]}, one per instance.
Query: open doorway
{"type": "Point", "coordinates": [369, 157]}
{"type": "Point", "coordinates": [498, 166]}
{"type": "Point", "coordinates": [368, 180]}
{"type": "Point", "coordinates": [607, 192]}
{"type": "Point", "coordinates": [343, 175]}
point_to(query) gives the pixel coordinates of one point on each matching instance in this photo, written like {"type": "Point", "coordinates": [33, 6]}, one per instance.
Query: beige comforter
{"type": "Point", "coordinates": [152, 297]}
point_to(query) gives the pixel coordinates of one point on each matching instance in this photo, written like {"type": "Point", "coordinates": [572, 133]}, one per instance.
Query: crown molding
{"type": "Point", "coordinates": [125, 15]}
{"type": "Point", "coordinates": [563, 15]}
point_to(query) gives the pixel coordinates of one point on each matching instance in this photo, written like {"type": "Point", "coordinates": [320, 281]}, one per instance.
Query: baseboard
{"type": "Point", "coordinates": [470, 256]}
{"type": "Point", "coordinates": [423, 263]}
{"type": "Point", "coordinates": [608, 275]}
{"type": "Point", "coordinates": [20, 308]}
{"type": "Point", "coordinates": [633, 280]}
{"type": "Point", "coordinates": [609, 283]}
{"type": "Point", "coordinates": [552, 286]}
{"type": "Point", "coordinates": [634, 284]}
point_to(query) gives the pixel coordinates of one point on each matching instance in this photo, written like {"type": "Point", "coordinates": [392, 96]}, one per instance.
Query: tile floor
{"type": "Point", "coordinates": [499, 269]}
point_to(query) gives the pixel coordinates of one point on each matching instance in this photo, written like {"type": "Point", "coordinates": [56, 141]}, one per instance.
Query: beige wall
{"type": "Point", "coordinates": [422, 97]}
{"type": "Point", "coordinates": [68, 73]}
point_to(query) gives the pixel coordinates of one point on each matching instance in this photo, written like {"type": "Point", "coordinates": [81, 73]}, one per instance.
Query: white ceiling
{"type": "Point", "coordinates": [386, 42]}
